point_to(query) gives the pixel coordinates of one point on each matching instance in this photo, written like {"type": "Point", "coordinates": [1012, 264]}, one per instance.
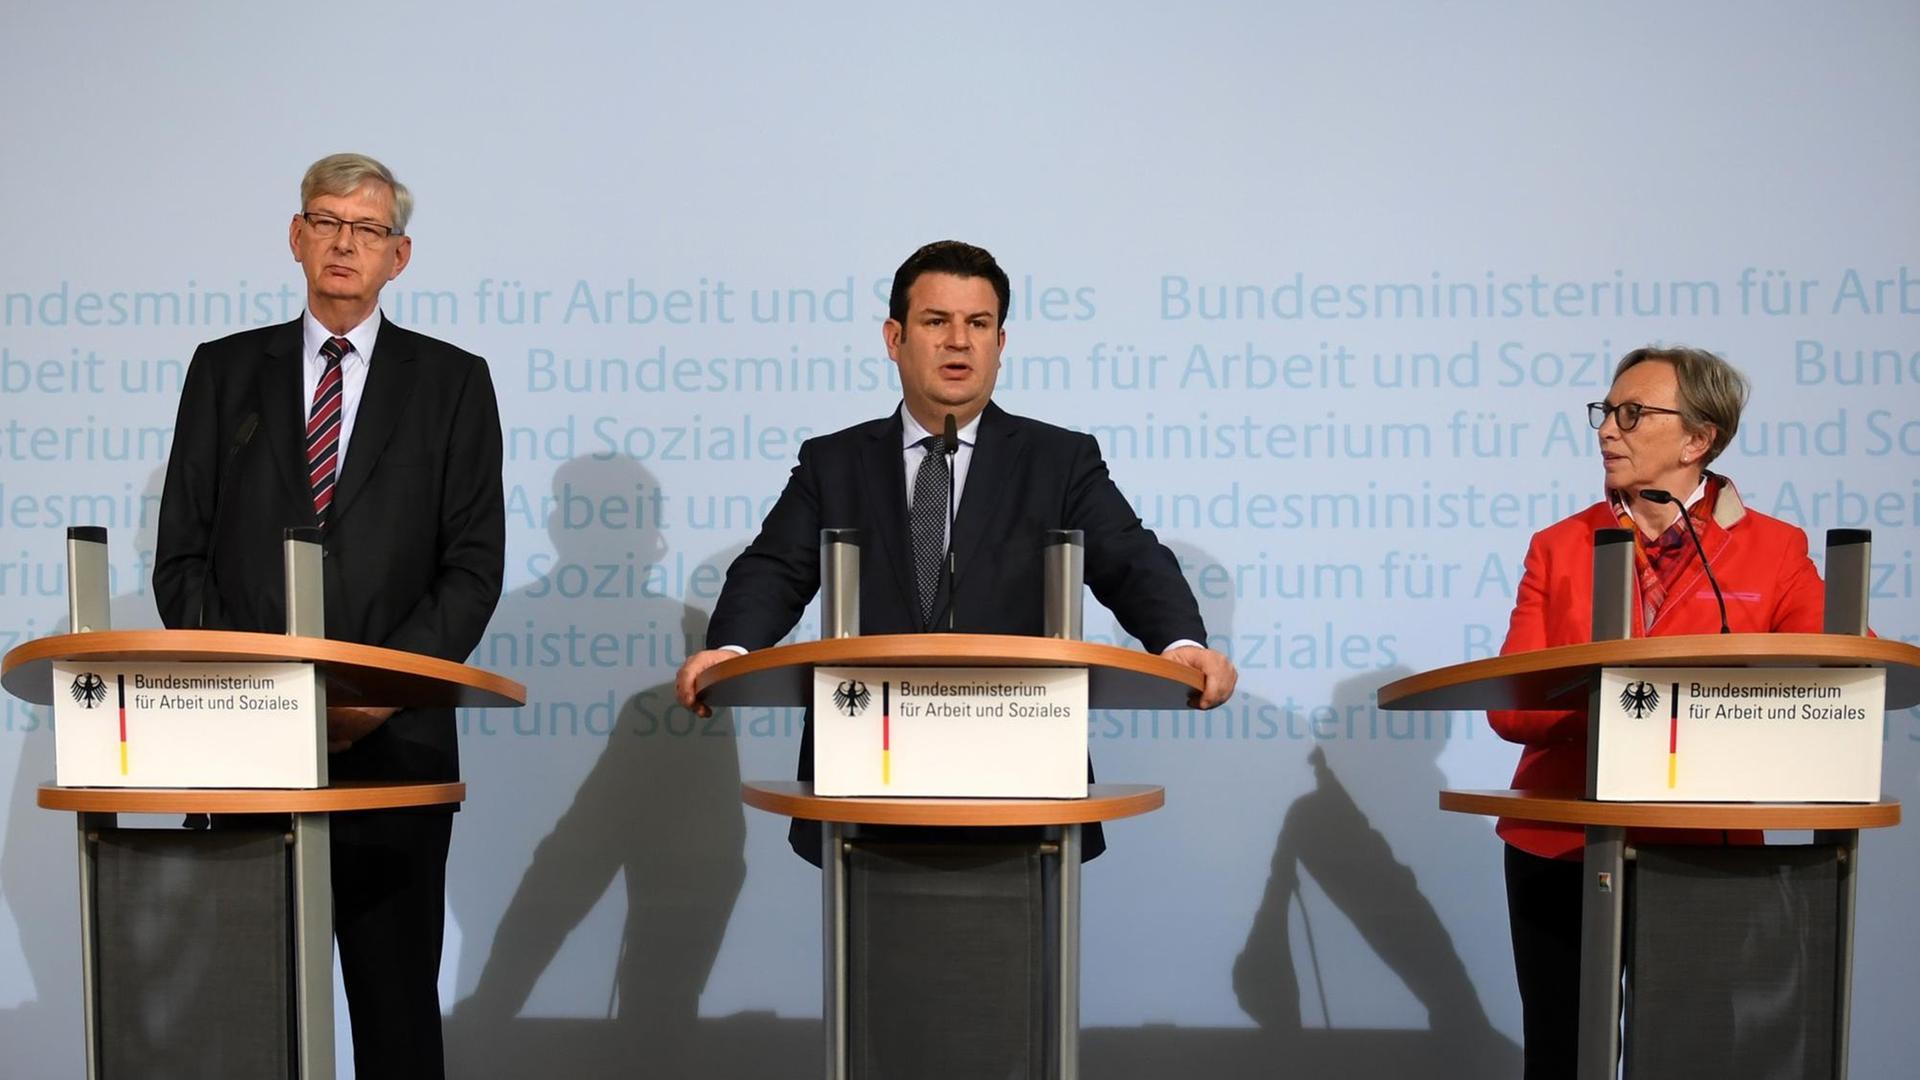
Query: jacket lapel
{"type": "Point", "coordinates": [284, 415]}
{"type": "Point", "coordinates": [884, 474]}
{"type": "Point", "coordinates": [390, 378]}
{"type": "Point", "coordinates": [997, 450]}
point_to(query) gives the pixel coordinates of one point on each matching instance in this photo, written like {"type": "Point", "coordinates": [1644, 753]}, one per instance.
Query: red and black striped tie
{"type": "Point", "coordinates": [323, 429]}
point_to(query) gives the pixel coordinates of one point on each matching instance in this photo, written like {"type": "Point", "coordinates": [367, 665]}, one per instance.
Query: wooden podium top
{"type": "Point", "coordinates": [354, 674]}
{"type": "Point", "coordinates": [1116, 678]}
{"type": "Point", "coordinates": [1573, 810]}
{"type": "Point", "coordinates": [1558, 678]}
{"type": "Point", "coordinates": [345, 795]}
{"type": "Point", "coordinates": [1104, 802]}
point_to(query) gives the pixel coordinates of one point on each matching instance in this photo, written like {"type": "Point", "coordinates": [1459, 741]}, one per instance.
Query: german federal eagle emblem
{"type": "Point", "coordinates": [1639, 699]}
{"type": "Point", "coordinates": [88, 689]}
{"type": "Point", "coordinates": [852, 697]}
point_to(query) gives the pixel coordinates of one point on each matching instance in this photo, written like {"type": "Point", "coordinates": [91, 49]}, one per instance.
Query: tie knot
{"type": "Point", "coordinates": [334, 348]}
{"type": "Point", "coordinates": [934, 443]}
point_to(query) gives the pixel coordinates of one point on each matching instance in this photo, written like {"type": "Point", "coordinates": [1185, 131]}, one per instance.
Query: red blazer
{"type": "Point", "coordinates": [1770, 586]}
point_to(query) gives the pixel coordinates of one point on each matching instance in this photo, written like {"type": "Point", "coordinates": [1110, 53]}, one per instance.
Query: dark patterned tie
{"type": "Point", "coordinates": [323, 429]}
{"type": "Point", "coordinates": [928, 520]}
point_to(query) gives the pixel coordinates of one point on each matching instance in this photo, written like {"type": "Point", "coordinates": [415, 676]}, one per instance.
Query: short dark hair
{"type": "Point", "coordinates": [1713, 393]}
{"type": "Point", "coordinates": [948, 257]}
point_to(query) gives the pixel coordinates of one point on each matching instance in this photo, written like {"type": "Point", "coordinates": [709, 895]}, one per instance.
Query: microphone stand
{"type": "Point", "coordinates": [950, 446]}
{"type": "Point", "coordinates": [1664, 498]}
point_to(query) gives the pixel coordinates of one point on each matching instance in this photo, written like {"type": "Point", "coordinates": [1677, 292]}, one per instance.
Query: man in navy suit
{"type": "Point", "coordinates": [389, 441]}
{"type": "Point", "coordinates": [1014, 479]}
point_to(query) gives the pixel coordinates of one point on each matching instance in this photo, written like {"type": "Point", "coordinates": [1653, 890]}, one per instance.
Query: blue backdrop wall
{"type": "Point", "coordinates": [1331, 283]}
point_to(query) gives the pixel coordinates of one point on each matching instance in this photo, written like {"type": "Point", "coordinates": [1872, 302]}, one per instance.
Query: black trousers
{"type": "Point", "coordinates": [389, 915]}
{"type": "Point", "coordinates": [1543, 909]}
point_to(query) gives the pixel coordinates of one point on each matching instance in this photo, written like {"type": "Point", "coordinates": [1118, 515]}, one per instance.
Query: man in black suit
{"type": "Point", "coordinates": [389, 441]}
{"type": "Point", "coordinates": [1014, 478]}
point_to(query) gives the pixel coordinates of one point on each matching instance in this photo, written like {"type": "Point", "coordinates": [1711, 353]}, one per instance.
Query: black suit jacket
{"type": "Point", "coordinates": [1026, 477]}
{"type": "Point", "coordinates": [415, 544]}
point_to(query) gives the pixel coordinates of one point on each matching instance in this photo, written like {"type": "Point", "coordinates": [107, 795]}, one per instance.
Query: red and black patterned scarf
{"type": "Point", "coordinates": [1660, 560]}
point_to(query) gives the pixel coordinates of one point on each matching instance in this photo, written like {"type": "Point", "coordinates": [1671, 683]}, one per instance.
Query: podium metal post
{"type": "Point", "coordinates": [304, 559]}
{"type": "Point", "coordinates": [1849, 574]}
{"type": "Point", "coordinates": [1603, 875]}
{"type": "Point", "coordinates": [839, 583]}
{"type": "Point", "coordinates": [1064, 587]}
{"type": "Point", "coordinates": [89, 608]}
{"type": "Point", "coordinates": [88, 579]}
{"type": "Point", "coordinates": [833, 916]}
{"type": "Point", "coordinates": [1849, 566]}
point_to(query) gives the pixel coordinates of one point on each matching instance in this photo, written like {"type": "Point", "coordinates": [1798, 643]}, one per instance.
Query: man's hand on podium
{"type": "Point", "coordinates": [1217, 669]}
{"type": "Point", "coordinates": [348, 726]}
{"type": "Point", "coordinates": [683, 685]}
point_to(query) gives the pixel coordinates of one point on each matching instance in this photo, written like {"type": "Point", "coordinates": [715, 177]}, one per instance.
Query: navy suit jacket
{"type": "Point", "coordinates": [416, 541]}
{"type": "Point", "coordinates": [1026, 477]}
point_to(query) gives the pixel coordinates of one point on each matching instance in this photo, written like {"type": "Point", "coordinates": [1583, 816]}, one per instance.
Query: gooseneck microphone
{"type": "Point", "coordinates": [241, 438]}
{"type": "Point", "coordinates": [1655, 495]}
{"type": "Point", "coordinates": [950, 446]}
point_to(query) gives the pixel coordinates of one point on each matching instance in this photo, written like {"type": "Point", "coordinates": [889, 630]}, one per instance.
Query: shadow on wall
{"type": "Point", "coordinates": [39, 871]}
{"type": "Point", "coordinates": [756, 1046]}
{"type": "Point", "coordinates": [659, 808]}
{"type": "Point", "coordinates": [1327, 838]}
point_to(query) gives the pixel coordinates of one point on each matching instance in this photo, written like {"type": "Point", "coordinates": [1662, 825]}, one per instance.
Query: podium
{"type": "Point", "coordinates": [1117, 678]}
{"type": "Point", "coordinates": [1567, 677]}
{"type": "Point", "coordinates": [351, 675]}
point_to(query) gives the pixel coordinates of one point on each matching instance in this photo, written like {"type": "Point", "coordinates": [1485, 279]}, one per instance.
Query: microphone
{"type": "Point", "coordinates": [950, 446]}
{"type": "Point", "coordinates": [241, 438]}
{"type": "Point", "coordinates": [1655, 495]}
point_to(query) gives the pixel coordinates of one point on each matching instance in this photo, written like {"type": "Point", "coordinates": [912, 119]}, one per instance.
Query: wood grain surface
{"type": "Point", "coordinates": [1572, 810]}
{"type": "Point", "coordinates": [1558, 678]}
{"type": "Point", "coordinates": [346, 795]}
{"type": "Point", "coordinates": [783, 675]}
{"type": "Point", "coordinates": [1104, 802]}
{"type": "Point", "coordinates": [354, 674]}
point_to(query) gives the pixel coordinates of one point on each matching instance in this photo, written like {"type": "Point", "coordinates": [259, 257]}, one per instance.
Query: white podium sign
{"type": "Point", "coordinates": [1740, 734]}
{"type": "Point", "coordinates": [187, 725]}
{"type": "Point", "coordinates": [1012, 733]}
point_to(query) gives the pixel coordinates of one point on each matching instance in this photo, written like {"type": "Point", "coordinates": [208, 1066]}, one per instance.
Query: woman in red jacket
{"type": "Point", "coordinates": [1668, 415]}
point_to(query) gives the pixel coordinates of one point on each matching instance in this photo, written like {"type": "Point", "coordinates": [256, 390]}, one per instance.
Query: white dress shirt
{"type": "Point", "coordinates": [353, 371]}
{"type": "Point", "coordinates": [1699, 492]}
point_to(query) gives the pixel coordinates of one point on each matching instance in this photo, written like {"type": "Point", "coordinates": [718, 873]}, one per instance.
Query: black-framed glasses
{"type": "Point", "coordinates": [1627, 414]}
{"type": "Point", "coordinates": [326, 227]}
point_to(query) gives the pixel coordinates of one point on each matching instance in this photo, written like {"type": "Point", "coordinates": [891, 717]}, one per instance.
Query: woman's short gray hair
{"type": "Point", "coordinates": [342, 174]}
{"type": "Point", "coordinates": [1712, 391]}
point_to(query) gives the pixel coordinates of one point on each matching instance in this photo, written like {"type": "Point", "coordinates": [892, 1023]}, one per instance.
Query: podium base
{"type": "Point", "coordinates": [194, 949]}
{"type": "Point", "coordinates": [947, 954]}
{"type": "Point", "coordinates": [1743, 942]}
{"type": "Point", "coordinates": [957, 959]}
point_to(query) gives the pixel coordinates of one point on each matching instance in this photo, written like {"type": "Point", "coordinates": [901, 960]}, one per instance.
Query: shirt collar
{"type": "Point", "coordinates": [1624, 505]}
{"type": "Point", "coordinates": [911, 432]}
{"type": "Point", "coordinates": [362, 336]}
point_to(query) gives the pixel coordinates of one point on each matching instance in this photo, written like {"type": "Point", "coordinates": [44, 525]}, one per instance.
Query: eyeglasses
{"type": "Point", "coordinates": [1627, 414]}
{"type": "Point", "coordinates": [326, 227]}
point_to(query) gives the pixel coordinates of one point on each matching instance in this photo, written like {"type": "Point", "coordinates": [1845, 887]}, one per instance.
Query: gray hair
{"type": "Point", "coordinates": [342, 174]}
{"type": "Point", "coordinates": [1712, 391]}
